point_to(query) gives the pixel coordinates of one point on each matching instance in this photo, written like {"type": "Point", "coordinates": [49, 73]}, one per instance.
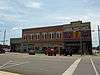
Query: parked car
{"type": "Point", "coordinates": [2, 51]}
{"type": "Point", "coordinates": [31, 52]}
{"type": "Point", "coordinates": [68, 51]}
{"type": "Point", "coordinates": [6, 49]}
{"type": "Point", "coordinates": [51, 51]}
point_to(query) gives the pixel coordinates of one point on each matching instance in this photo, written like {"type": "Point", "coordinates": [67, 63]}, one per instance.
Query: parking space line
{"type": "Point", "coordinates": [10, 64]}
{"type": "Point", "coordinates": [72, 68]}
{"type": "Point", "coordinates": [5, 64]}
{"type": "Point", "coordinates": [96, 72]}
{"type": "Point", "coordinates": [16, 65]}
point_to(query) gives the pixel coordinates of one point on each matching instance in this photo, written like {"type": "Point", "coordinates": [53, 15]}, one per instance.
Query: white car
{"type": "Point", "coordinates": [31, 52]}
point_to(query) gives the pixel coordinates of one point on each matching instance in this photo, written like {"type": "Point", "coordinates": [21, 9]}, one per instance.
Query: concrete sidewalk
{"type": "Point", "coordinates": [7, 73]}
{"type": "Point", "coordinates": [43, 55]}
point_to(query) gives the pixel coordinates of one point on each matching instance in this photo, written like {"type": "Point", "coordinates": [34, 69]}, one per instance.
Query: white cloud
{"type": "Point", "coordinates": [12, 11]}
{"type": "Point", "coordinates": [13, 17]}
{"type": "Point", "coordinates": [68, 18]}
{"type": "Point", "coordinates": [9, 17]}
{"type": "Point", "coordinates": [34, 4]}
{"type": "Point", "coordinates": [15, 28]}
{"type": "Point", "coordinates": [86, 1]}
{"type": "Point", "coordinates": [2, 7]}
{"type": "Point", "coordinates": [4, 4]}
{"type": "Point", "coordinates": [18, 27]}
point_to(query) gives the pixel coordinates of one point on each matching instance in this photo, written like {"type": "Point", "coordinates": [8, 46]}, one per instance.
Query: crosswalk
{"type": "Point", "coordinates": [73, 67]}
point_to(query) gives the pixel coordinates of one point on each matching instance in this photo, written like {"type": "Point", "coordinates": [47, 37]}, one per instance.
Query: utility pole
{"type": "Point", "coordinates": [81, 48]}
{"type": "Point", "coordinates": [4, 37]}
{"type": "Point", "coordinates": [99, 36]}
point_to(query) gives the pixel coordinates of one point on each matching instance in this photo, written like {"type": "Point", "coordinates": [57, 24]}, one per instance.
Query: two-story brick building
{"type": "Point", "coordinates": [76, 35]}
{"type": "Point", "coordinates": [39, 38]}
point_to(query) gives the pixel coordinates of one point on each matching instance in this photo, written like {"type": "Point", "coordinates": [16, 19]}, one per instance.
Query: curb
{"type": "Point", "coordinates": [7, 73]}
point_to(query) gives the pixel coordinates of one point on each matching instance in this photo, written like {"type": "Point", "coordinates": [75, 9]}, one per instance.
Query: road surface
{"type": "Point", "coordinates": [40, 64]}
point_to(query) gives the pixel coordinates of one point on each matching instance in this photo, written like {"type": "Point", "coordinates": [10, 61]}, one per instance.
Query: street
{"type": "Point", "coordinates": [39, 64]}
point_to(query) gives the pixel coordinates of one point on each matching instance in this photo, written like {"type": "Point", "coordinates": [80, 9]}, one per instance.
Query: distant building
{"type": "Point", "coordinates": [15, 44]}
{"type": "Point", "coordinates": [4, 46]}
{"type": "Point", "coordinates": [76, 35]}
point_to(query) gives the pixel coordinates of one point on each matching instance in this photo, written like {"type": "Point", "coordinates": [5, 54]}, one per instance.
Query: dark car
{"type": "Point", "coordinates": [31, 52]}
{"type": "Point", "coordinates": [2, 51]}
{"type": "Point", "coordinates": [68, 51]}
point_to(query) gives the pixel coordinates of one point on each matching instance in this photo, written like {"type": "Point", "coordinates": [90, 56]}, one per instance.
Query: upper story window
{"type": "Point", "coordinates": [31, 36]}
{"type": "Point", "coordinates": [68, 35]}
{"type": "Point", "coordinates": [25, 37]}
{"type": "Point", "coordinates": [44, 35]}
{"type": "Point", "coordinates": [52, 35]}
{"type": "Point", "coordinates": [58, 34]}
{"type": "Point", "coordinates": [85, 33]}
{"type": "Point", "coordinates": [37, 36]}
{"type": "Point", "coordinates": [77, 34]}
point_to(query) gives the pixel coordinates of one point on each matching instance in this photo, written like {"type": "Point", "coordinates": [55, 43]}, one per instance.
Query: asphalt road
{"type": "Point", "coordinates": [49, 65]}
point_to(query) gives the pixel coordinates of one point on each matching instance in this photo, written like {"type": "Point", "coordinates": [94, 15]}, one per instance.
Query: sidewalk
{"type": "Point", "coordinates": [43, 55]}
{"type": "Point", "coordinates": [7, 73]}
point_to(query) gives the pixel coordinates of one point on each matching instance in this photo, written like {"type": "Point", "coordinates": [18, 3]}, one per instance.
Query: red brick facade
{"type": "Point", "coordinates": [58, 36]}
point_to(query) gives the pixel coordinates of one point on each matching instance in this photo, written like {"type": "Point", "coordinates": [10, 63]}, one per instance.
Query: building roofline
{"type": "Point", "coordinates": [54, 26]}
{"type": "Point", "coordinates": [42, 27]}
{"type": "Point", "coordinates": [16, 38]}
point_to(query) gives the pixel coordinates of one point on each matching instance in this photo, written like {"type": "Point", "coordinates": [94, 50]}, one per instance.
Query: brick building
{"type": "Point", "coordinates": [39, 38]}
{"type": "Point", "coordinates": [76, 35]}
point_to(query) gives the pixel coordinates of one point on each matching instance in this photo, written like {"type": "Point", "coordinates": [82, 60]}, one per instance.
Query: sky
{"type": "Point", "coordinates": [16, 15]}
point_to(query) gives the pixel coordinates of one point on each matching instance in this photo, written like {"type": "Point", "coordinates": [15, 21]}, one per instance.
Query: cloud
{"type": "Point", "coordinates": [68, 18]}
{"type": "Point", "coordinates": [3, 7]}
{"type": "Point", "coordinates": [4, 4]}
{"type": "Point", "coordinates": [28, 13]}
{"type": "Point", "coordinates": [18, 11]}
{"type": "Point", "coordinates": [15, 28]}
{"type": "Point", "coordinates": [86, 1]}
{"type": "Point", "coordinates": [34, 4]}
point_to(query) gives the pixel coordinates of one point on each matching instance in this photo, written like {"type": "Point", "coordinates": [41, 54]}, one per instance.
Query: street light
{"type": "Point", "coordinates": [99, 36]}
{"type": "Point", "coordinates": [81, 48]}
{"type": "Point", "coordinates": [4, 37]}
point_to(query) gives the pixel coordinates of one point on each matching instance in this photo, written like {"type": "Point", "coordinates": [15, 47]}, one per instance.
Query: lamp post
{"type": "Point", "coordinates": [4, 37]}
{"type": "Point", "coordinates": [81, 44]}
{"type": "Point", "coordinates": [99, 36]}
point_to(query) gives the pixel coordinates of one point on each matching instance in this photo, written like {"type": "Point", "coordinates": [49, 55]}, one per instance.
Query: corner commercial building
{"type": "Point", "coordinates": [76, 35]}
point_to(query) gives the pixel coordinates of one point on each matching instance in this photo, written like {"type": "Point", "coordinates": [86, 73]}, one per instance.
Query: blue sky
{"type": "Point", "coordinates": [18, 14]}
